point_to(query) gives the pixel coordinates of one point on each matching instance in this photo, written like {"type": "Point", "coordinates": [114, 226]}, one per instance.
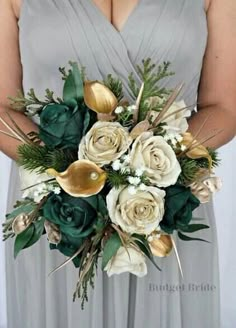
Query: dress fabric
{"type": "Point", "coordinates": [52, 32]}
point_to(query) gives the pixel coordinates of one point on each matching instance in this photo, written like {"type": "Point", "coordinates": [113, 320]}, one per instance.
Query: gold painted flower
{"type": "Point", "coordinates": [196, 150]}
{"type": "Point", "coordinates": [161, 246]}
{"type": "Point", "coordinates": [99, 98]}
{"type": "Point", "coordinates": [81, 179]}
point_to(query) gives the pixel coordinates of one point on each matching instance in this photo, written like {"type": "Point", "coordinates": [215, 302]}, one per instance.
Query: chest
{"type": "Point", "coordinates": [116, 12]}
{"type": "Point", "coordinates": [54, 32]}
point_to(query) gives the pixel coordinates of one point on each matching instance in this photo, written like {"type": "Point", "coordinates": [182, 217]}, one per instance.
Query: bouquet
{"type": "Point", "coordinates": [107, 179]}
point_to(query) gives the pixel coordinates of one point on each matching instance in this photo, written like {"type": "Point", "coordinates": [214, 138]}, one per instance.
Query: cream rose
{"type": "Point", "coordinates": [127, 260]}
{"type": "Point", "coordinates": [33, 184]}
{"type": "Point", "coordinates": [157, 158]}
{"type": "Point", "coordinates": [175, 117]}
{"type": "Point", "coordinates": [139, 213]}
{"type": "Point", "coordinates": [104, 143]}
{"type": "Point", "coordinates": [205, 189]}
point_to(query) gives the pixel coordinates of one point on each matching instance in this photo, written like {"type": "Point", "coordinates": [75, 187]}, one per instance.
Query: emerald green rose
{"type": "Point", "coordinates": [75, 218]}
{"type": "Point", "coordinates": [179, 205]}
{"type": "Point", "coordinates": [63, 126]}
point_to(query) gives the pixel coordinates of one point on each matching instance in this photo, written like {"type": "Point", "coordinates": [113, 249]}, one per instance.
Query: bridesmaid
{"type": "Point", "coordinates": [106, 36]}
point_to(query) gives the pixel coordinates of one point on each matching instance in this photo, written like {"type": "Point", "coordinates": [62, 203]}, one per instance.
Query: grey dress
{"type": "Point", "coordinates": [52, 32]}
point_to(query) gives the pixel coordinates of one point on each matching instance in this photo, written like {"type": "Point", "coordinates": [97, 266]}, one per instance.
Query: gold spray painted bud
{"type": "Point", "coordinates": [21, 223]}
{"type": "Point", "coordinates": [99, 98]}
{"type": "Point", "coordinates": [161, 246]}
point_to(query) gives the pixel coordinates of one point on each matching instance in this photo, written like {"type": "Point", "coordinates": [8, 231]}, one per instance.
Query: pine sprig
{"type": "Point", "coordinates": [115, 85]}
{"type": "Point", "coordinates": [38, 158]}
{"type": "Point", "coordinates": [151, 76]}
{"type": "Point", "coordinates": [190, 167]}
{"type": "Point", "coordinates": [22, 102]}
{"type": "Point", "coordinates": [117, 179]}
{"type": "Point", "coordinates": [65, 74]}
{"type": "Point", "coordinates": [88, 280]}
{"type": "Point", "coordinates": [189, 170]}
{"type": "Point", "coordinates": [203, 162]}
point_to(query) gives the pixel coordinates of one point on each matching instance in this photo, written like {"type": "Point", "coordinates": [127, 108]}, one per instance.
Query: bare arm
{"type": "Point", "coordinates": [217, 92]}
{"type": "Point", "coordinates": [10, 75]}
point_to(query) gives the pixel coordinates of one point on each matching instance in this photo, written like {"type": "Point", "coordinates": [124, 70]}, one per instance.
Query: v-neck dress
{"type": "Point", "coordinates": [53, 32]}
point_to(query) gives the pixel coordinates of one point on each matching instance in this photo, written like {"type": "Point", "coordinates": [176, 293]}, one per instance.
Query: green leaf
{"type": "Point", "coordinates": [22, 209]}
{"type": "Point", "coordinates": [111, 247]}
{"type": "Point", "coordinates": [38, 231]}
{"type": "Point", "coordinates": [102, 207]}
{"type": "Point", "coordinates": [142, 243]}
{"type": "Point", "coordinates": [22, 239]}
{"type": "Point", "coordinates": [194, 227]}
{"type": "Point", "coordinates": [86, 122]}
{"type": "Point", "coordinates": [186, 238]}
{"type": "Point", "coordinates": [73, 90]}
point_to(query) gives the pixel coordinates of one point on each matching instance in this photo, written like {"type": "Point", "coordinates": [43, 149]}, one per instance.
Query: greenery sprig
{"type": "Point", "coordinates": [115, 85]}
{"type": "Point", "coordinates": [40, 158]}
{"type": "Point", "coordinates": [151, 76]}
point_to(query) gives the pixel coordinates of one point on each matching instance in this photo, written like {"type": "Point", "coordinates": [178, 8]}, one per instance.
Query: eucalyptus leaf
{"type": "Point", "coordinates": [22, 239]}
{"type": "Point", "coordinates": [38, 231]}
{"type": "Point", "coordinates": [194, 227]}
{"type": "Point", "coordinates": [73, 90]}
{"type": "Point", "coordinates": [187, 238]}
{"type": "Point", "coordinates": [102, 207]}
{"type": "Point", "coordinates": [142, 243]}
{"type": "Point", "coordinates": [110, 249]}
{"type": "Point", "coordinates": [22, 209]}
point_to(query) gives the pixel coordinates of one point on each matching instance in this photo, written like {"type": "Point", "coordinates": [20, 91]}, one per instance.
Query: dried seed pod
{"type": "Point", "coordinates": [53, 232]}
{"type": "Point", "coordinates": [21, 223]}
{"type": "Point", "coordinates": [162, 246]}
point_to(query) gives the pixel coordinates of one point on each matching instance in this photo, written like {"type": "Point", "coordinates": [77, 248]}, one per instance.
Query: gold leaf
{"type": "Point", "coordinates": [194, 149]}
{"type": "Point", "coordinates": [99, 98]}
{"type": "Point", "coordinates": [162, 246]}
{"type": "Point", "coordinates": [141, 127]}
{"type": "Point", "coordinates": [82, 178]}
{"type": "Point", "coordinates": [105, 117]}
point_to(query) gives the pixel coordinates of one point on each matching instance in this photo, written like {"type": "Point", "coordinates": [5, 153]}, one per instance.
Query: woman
{"type": "Point", "coordinates": [107, 36]}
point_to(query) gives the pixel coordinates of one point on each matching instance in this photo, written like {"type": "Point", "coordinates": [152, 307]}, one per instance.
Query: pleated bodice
{"type": "Point", "coordinates": [52, 32]}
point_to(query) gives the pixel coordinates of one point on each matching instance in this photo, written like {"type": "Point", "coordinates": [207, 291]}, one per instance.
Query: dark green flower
{"type": "Point", "coordinates": [75, 218]}
{"type": "Point", "coordinates": [179, 205]}
{"type": "Point", "coordinates": [63, 126]}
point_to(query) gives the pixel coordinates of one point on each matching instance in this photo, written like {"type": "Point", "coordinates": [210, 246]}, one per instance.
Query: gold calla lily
{"type": "Point", "coordinates": [196, 150]}
{"type": "Point", "coordinates": [99, 98]}
{"type": "Point", "coordinates": [82, 178]}
{"type": "Point", "coordinates": [162, 246]}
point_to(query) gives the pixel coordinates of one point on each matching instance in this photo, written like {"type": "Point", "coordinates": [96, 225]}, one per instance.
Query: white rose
{"type": "Point", "coordinates": [104, 143]}
{"type": "Point", "coordinates": [127, 260]}
{"type": "Point", "coordinates": [136, 213]}
{"type": "Point", "coordinates": [35, 181]}
{"type": "Point", "coordinates": [176, 121]}
{"type": "Point", "coordinates": [157, 158]}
